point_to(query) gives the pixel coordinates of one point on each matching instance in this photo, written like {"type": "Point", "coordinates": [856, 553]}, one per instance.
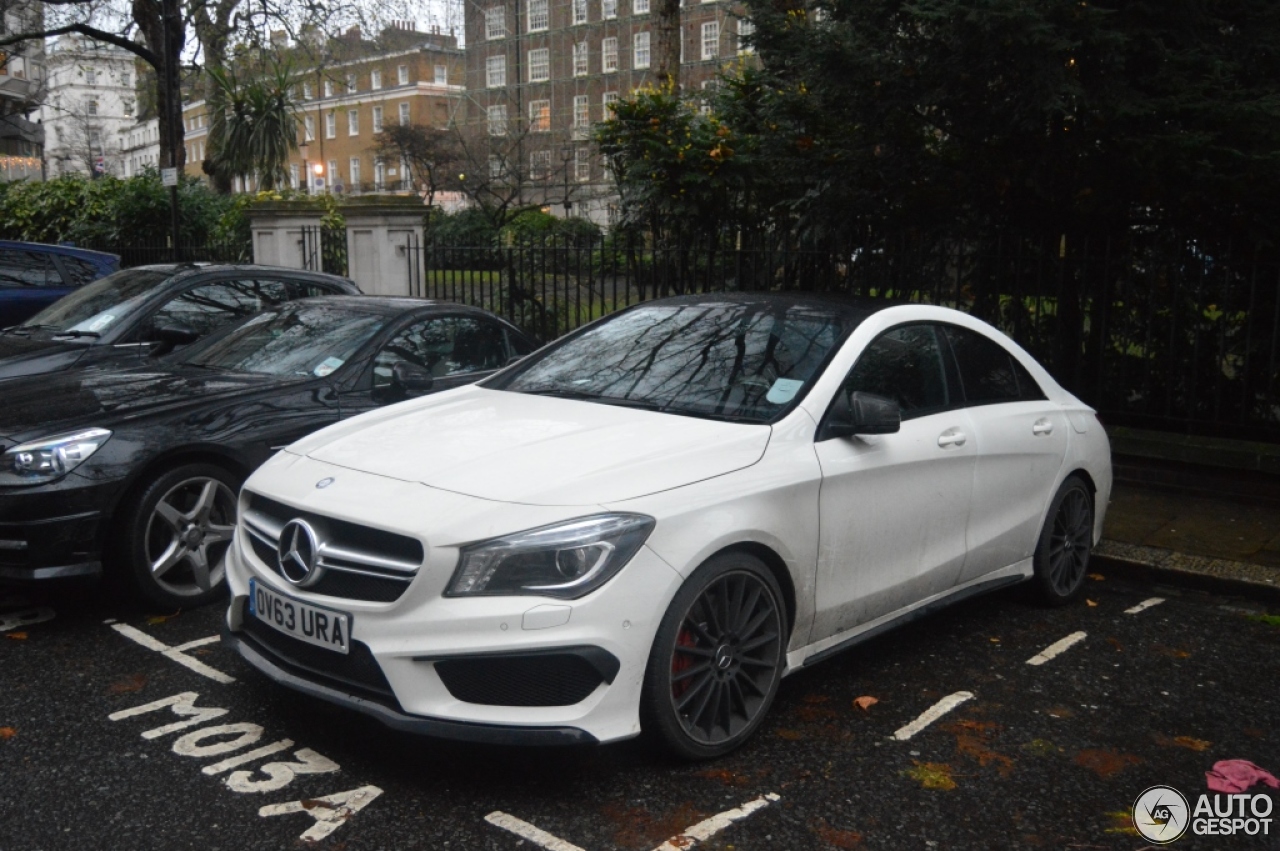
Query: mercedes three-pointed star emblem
{"type": "Point", "coordinates": [298, 553]}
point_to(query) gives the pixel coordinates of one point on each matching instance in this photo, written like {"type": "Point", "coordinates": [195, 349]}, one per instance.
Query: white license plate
{"type": "Point", "coordinates": [322, 627]}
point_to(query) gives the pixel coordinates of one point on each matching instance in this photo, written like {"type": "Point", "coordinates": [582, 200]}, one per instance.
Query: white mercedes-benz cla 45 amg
{"type": "Point", "coordinates": [645, 525]}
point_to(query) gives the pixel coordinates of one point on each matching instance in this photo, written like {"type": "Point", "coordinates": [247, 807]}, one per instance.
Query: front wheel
{"type": "Point", "coordinates": [1062, 554]}
{"type": "Point", "coordinates": [717, 658]}
{"type": "Point", "coordinates": [176, 532]}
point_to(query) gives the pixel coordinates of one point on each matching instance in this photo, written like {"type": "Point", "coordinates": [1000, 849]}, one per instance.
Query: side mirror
{"type": "Point", "coordinates": [410, 380]}
{"type": "Point", "coordinates": [170, 337]}
{"type": "Point", "coordinates": [861, 413]}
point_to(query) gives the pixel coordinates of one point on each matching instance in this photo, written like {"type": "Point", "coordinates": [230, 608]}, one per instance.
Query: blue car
{"type": "Point", "coordinates": [34, 276]}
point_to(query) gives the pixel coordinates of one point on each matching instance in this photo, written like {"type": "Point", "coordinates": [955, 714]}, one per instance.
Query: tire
{"type": "Point", "coordinates": [1062, 553]}
{"type": "Point", "coordinates": [175, 533]}
{"type": "Point", "coordinates": [716, 660]}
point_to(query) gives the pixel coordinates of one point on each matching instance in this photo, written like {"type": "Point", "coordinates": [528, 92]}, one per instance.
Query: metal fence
{"type": "Point", "coordinates": [1155, 332]}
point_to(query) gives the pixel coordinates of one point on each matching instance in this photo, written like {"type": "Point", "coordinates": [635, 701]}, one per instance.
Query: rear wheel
{"type": "Point", "coordinates": [176, 532]}
{"type": "Point", "coordinates": [1062, 554]}
{"type": "Point", "coordinates": [717, 658]}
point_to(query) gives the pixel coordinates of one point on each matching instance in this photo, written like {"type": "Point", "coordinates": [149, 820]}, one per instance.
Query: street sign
{"type": "Point", "coordinates": [99, 165]}
{"type": "Point", "coordinates": [169, 176]}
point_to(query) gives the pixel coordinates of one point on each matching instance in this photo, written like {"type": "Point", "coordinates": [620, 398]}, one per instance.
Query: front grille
{"type": "Point", "coordinates": [359, 562]}
{"type": "Point", "coordinates": [541, 679]}
{"type": "Point", "coordinates": [357, 670]}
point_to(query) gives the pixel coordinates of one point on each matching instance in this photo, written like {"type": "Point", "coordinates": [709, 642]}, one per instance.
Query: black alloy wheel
{"type": "Point", "coordinates": [1062, 554]}
{"type": "Point", "coordinates": [717, 658]}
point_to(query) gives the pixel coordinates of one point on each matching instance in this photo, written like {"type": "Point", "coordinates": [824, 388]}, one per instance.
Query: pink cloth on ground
{"type": "Point", "coordinates": [1237, 775]}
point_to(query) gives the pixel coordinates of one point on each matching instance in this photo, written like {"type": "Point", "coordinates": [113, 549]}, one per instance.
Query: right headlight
{"type": "Point", "coordinates": [38, 461]}
{"type": "Point", "coordinates": [566, 560]}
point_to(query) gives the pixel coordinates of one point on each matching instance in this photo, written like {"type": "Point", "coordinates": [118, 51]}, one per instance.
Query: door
{"type": "Point", "coordinates": [1021, 440]}
{"type": "Point", "coordinates": [894, 507]}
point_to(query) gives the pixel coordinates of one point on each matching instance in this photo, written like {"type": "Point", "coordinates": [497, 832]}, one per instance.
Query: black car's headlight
{"type": "Point", "coordinates": [567, 560]}
{"type": "Point", "coordinates": [38, 461]}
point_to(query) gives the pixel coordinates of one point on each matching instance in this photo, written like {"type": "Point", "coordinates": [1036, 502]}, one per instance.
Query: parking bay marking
{"type": "Point", "coordinates": [699, 832]}
{"type": "Point", "coordinates": [933, 713]}
{"type": "Point", "coordinates": [177, 654]}
{"type": "Point", "coordinates": [1144, 605]}
{"type": "Point", "coordinates": [329, 812]}
{"type": "Point", "coordinates": [1057, 648]}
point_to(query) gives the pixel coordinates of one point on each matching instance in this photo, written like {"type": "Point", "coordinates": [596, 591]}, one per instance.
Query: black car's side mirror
{"type": "Point", "coordinates": [170, 337]}
{"type": "Point", "coordinates": [409, 379]}
{"type": "Point", "coordinates": [861, 413]}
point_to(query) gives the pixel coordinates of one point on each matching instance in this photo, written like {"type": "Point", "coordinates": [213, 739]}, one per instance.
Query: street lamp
{"type": "Point", "coordinates": [566, 154]}
{"type": "Point", "coordinates": [304, 148]}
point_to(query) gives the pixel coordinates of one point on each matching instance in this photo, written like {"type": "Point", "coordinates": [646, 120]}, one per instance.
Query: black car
{"type": "Point", "coordinates": [150, 310]}
{"type": "Point", "coordinates": [138, 468]}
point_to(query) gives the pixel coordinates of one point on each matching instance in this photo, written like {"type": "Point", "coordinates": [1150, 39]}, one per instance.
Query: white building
{"type": "Point", "coordinates": [21, 84]}
{"type": "Point", "coordinates": [91, 98]}
{"type": "Point", "coordinates": [140, 147]}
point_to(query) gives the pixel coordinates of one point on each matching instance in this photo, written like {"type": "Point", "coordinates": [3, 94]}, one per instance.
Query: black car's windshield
{"type": "Point", "coordinates": [741, 361]}
{"type": "Point", "coordinates": [96, 308]}
{"type": "Point", "coordinates": [312, 340]}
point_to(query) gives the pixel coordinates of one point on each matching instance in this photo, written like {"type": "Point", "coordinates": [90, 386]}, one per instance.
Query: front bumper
{"type": "Point", "coordinates": [52, 531]}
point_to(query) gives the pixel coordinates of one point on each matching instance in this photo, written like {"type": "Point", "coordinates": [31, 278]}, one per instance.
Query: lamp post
{"type": "Point", "coordinates": [304, 148]}
{"type": "Point", "coordinates": [566, 154]}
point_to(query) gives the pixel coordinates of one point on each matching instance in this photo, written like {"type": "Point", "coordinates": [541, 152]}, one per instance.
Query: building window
{"type": "Point", "coordinates": [351, 84]}
{"type": "Point", "coordinates": [333, 174]}
{"type": "Point", "coordinates": [496, 170]}
{"type": "Point", "coordinates": [640, 7]}
{"type": "Point", "coordinates": [379, 175]}
{"type": "Point", "coordinates": [293, 175]}
{"type": "Point", "coordinates": [745, 30]}
{"type": "Point", "coordinates": [608, 55]}
{"type": "Point", "coordinates": [442, 75]}
{"type": "Point", "coordinates": [377, 119]}
{"type": "Point", "coordinates": [309, 128]}
{"type": "Point", "coordinates": [375, 79]}
{"type": "Point", "coordinates": [495, 72]}
{"type": "Point", "coordinates": [402, 75]}
{"type": "Point", "coordinates": [538, 17]}
{"type": "Point", "coordinates": [495, 22]}
{"type": "Point", "coordinates": [580, 59]}
{"type": "Point", "coordinates": [127, 106]}
{"type": "Point", "coordinates": [353, 122]}
{"type": "Point", "coordinates": [354, 166]}
{"type": "Point", "coordinates": [640, 45]}
{"type": "Point", "coordinates": [330, 125]}
{"type": "Point", "coordinates": [125, 79]}
{"type": "Point", "coordinates": [539, 165]}
{"type": "Point", "coordinates": [91, 107]}
{"type": "Point", "coordinates": [710, 39]}
{"type": "Point", "coordinates": [404, 114]}
{"type": "Point", "coordinates": [328, 88]}
{"type": "Point", "coordinates": [609, 99]}
{"type": "Point", "coordinates": [608, 9]}
{"type": "Point", "coordinates": [306, 91]}
{"type": "Point", "coordinates": [539, 65]}
{"type": "Point", "coordinates": [539, 116]}
{"type": "Point", "coordinates": [497, 115]}
{"type": "Point", "coordinates": [582, 164]}
{"type": "Point", "coordinates": [581, 116]}
{"type": "Point", "coordinates": [90, 77]}
{"type": "Point", "coordinates": [579, 11]}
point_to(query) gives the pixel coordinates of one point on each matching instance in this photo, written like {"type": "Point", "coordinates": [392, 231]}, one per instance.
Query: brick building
{"type": "Point", "coordinates": [541, 72]}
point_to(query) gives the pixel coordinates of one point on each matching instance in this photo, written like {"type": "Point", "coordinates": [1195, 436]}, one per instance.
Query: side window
{"type": "Point", "coordinates": [28, 269]}
{"type": "Point", "coordinates": [988, 373]}
{"type": "Point", "coordinates": [310, 289]}
{"type": "Point", "coordinates": [81, 272]}
{"type": "Point", "coordinates": [519, 345]}
{"type": "Point", "coordinates": [208, 307]}
{"type": "Point", "coordinates": [446, 346]}
{"type": "Point", "coordinates": [904, 364]}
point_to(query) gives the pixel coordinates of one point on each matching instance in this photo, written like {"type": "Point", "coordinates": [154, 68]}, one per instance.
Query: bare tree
{"type": "Point", "coordinates": [83, 140]}
{"type": "Point", "coordinates": [507, 173]}
{"type": "Point", "coordinates": [431, 156]}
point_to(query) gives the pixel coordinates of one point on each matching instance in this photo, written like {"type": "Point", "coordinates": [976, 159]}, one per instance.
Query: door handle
{"type": "Point", "coordinates": [951, 437]}
{"type": "Point", "coordinates": [1042, 426]}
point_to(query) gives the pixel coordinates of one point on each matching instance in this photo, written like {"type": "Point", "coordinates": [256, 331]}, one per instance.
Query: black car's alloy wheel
{"type": "Point", "coordinates": [1062, 554]}
{"type": "Point", "coordinates": [177, 532]}
{"type": "Point", "coordinates": [717, 658]}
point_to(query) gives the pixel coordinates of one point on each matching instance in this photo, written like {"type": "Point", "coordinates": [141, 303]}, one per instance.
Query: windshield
{"type": "Point", "coordinates": [739, 361]}
{"type": "Point", "coordinates": [312, 340]}
{"type": "Point", "coordinates": [95, 308]}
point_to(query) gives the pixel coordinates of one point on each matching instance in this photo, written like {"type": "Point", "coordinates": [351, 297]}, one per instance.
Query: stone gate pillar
{"type": "Point", "coordinates": [285, 234]}
{"type": "Point", "coordinates": [384, 244]}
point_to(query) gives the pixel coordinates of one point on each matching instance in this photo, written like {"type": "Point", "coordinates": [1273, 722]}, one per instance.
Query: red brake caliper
{"type": "Point", "coordinates": [681, 662]}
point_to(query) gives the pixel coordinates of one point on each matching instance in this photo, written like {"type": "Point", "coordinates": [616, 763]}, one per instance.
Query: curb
{"type": "Point", "coordinates": [1218, 575]}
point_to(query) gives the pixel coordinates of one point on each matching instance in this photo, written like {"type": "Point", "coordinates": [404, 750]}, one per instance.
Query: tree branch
{"type": "Point", "coordinates": [92, 32]}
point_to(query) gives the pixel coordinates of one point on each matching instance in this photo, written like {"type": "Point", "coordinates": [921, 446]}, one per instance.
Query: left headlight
{"type": "Point", "coordinates": [566, 560]}
{"type": "Point", "coordinates": [38, 461]}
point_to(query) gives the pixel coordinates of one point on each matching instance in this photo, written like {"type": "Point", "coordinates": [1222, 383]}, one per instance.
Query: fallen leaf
{"type": "Point", "coordinates": [932, 775]}
{"type": "Point", "coordinates": [129, 684]}
{"type": "Point", "coordinates": [994, 640]}
{"type": "Point", "coordinates": [965, 724]}
{"type": "Point", "coordinates": [7, 733]}
{"type": "Point", "coordinates": [1105, 763]}
{"type": "Point", "coordinates": [1097, 577]}
{"type": "Point", "coordinates": [1115, 642]}
{"type": "Point", "coordinates": [16, 636]}
{"type": "Point", "coordinates": [1171, 652]}
{"type": "Point", "coordinates": [836, 837]}
{"type": "Point", "coordinates": [975, 747]}
{"type": "Point", "coordinates": [159, 619]}
{"type": "Point", "coordinates": [790, 735]}
{"type": "Point", "coordinates": [1090, 603]}
{"type": "Point", "coordinates": [1188, 742]}
{"type": "Point", "coordinates": [865, 702]}
{"type": "Point", "coordinates": [1122, 822]}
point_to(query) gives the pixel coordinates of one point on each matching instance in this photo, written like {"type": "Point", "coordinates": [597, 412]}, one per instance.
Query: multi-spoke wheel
{"type": "Point", "coordinates": [176, 533]}
{"type": "Point", "coordinates": [1062, 555]}
{"type": "Point", "coordinates": [716, 659]}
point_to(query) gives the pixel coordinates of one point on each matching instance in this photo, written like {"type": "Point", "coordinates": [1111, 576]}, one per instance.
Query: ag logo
{"type": "Point", "coordinates": [1161, 815]}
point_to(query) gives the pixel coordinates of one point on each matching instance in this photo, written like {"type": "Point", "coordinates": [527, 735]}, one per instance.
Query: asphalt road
{"type": "Point", "coordinates": [1047, 755]}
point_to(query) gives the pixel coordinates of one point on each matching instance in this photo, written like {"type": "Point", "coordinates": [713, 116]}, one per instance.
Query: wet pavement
{"type": "Point", "coordinates": [122, 729]}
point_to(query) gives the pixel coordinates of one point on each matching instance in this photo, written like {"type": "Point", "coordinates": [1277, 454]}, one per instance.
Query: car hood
{"type": "Point", "coordinates": [46, 404]}
{"type": "Point", "coordinates": [536, 450]}
{"type": "Point", "coordinates": [30, 354]}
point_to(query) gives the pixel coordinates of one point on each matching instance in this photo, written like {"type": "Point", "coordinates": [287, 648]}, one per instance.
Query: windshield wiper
{"type": "Point", "coordinates": [563, 393]}
{"type": "Point", "coordinates": [74, 333]}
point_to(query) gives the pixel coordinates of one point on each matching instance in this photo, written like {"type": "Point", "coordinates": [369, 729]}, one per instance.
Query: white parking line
{"type": "Point", "coordinates": [1144, 605]}
{"type": "Point", "coordinates": [177, 654]}
{"type": "Point", "coordinates": [524, 830]}
{"type": "Point", "coordinates": [704, 830]}
{"type": "Point", "coordinates": [1057, 648]}
{"type": "Point", "coordinates": [933, 713]}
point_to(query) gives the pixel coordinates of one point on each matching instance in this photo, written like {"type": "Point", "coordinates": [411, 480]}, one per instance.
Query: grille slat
{"type": "Point", "coordinates": [559, 679]}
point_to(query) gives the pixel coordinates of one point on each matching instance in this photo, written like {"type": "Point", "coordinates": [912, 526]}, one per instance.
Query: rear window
{"type": "Point", "coordinates": [989, 374]}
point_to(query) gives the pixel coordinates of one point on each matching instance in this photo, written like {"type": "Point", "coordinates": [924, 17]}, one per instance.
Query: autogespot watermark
{"type": "Point", "coordinates": [1162, 815]}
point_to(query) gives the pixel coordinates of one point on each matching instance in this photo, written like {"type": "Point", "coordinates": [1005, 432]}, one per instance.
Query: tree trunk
{"type": "Point", "coordinates": [149, 16]}
{"type": "Point", "coordinates": [667, 35]}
